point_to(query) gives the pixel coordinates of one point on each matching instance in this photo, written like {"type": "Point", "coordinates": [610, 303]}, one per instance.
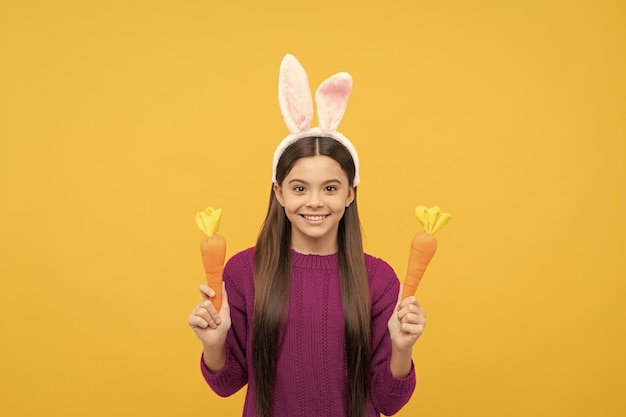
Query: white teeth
{"type": "Point", "coordinates": [314, 218]}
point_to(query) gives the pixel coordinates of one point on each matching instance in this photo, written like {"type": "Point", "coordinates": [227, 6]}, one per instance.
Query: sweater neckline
{"type": "Point", "coordinates": [314, 261]}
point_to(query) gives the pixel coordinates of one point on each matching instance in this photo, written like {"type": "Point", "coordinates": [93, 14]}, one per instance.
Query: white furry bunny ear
{"type": "Point", "coordinates": [296, 105]}
{"type": "Point", "coordinates": [294, 95]}
{"type": "Point", "coordinates": [332, 99]}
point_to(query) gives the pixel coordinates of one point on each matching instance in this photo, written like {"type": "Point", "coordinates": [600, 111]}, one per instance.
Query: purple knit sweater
{"type": "Point", "coordinates": [311, 371]}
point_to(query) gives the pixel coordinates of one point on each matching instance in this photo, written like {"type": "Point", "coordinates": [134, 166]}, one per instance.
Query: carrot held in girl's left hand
{"type": "Point", "coordinates": [213, 250]}
{"type": "Point", "coordinates": [423, 246]}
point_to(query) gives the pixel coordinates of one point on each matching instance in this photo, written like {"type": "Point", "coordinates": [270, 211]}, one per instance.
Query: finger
{"type": "Point", "coordinates": [206, 292]}
{"type": "Point", "coordinates": [410, 308]}
{"type": "Point", "coordinates": [411, 315]}
{"type": "Point", "coordinates": [197, 322]}
{"type": "Point", "coordinates": [412, 329]}
{"type": "Point", "coordinates": [206, 310]}
{"type": "Point", "coordinates": [202, 313]}
{"type": "Point", "coordinates": [212, 315]}
{"type": "Point", "coordinates": [414, 319]}
{"type": "Point", "coordinates": [409, 300]}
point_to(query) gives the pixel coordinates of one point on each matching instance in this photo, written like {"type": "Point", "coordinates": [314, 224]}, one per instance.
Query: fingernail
{"type": "Point", "coordinates": [218, 320]}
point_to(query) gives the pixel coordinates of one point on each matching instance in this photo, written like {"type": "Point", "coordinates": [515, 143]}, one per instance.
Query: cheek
{"type": "Point", "coordinates": [291, 203]}
{"type": "Point", "coordinates": [349, 199]}
{"type": "Point", "coordinates": [340, 205]}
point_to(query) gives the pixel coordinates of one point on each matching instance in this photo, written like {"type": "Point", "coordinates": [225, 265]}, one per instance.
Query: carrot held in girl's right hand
{"type": "Point", "coordinates": [423, 246]}
{"type": "Point", "coordinates": [213, 250]}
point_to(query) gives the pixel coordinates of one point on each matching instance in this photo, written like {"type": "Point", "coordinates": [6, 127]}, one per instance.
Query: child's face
{"type": "Point", "coordinates": [315, 195]}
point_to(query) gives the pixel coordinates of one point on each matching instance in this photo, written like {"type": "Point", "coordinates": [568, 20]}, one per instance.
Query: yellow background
{"type": "Point", "coordinates": [119, 120]}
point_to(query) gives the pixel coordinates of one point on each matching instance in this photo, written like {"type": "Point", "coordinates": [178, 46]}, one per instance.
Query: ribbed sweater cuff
{"type": "Point", "coordinates": [221, 378]}
{"type": "Point", "coordinates": [401, 386]}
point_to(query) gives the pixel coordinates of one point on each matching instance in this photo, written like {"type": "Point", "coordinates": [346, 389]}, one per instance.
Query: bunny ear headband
{"type": "Point", "coordinates": [296, 105]}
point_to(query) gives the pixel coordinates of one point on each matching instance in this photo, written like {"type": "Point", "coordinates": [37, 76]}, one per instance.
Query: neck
{"type": "Point", "coordinates": [314, 247]}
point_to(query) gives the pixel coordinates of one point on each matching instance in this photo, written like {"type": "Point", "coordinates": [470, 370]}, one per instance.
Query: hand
{"type": "Point", "coordinates": [210, 326]}
{"type": "Point", "coordinates": [407, 323]}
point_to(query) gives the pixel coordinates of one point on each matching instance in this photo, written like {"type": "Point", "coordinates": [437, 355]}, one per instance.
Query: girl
{"type": "Point", "coordinates": [313, 325]}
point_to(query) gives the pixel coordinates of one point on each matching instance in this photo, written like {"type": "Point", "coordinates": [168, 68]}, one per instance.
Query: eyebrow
{"type": "Point", "coordinates": [330, 181]}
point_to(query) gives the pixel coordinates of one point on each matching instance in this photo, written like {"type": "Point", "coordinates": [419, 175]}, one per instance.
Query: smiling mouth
{"type": "Point", "coordinates": [313, 218]}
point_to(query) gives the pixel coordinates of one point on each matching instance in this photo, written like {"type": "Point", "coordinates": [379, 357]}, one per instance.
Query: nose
{"type": "Point", "coordinates": [314, 201]}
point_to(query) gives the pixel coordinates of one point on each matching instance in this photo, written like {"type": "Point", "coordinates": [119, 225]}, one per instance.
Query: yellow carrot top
{"type": "Point", "coordinates": [209, 220]}
{"type": "Point", "coordinates": [432, 218]}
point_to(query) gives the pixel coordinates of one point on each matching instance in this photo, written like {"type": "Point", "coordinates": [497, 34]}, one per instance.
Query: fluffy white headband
{"type": "Point", "coordinates": [296, 105]}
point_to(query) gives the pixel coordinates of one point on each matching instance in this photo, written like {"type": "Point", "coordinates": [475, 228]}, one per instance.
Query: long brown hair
{"type": "Point", "coordinates": [272, 272]}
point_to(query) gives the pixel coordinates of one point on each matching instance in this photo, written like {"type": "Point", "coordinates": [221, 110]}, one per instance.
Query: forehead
{"type": "Point", "coordinates": [318, 167]}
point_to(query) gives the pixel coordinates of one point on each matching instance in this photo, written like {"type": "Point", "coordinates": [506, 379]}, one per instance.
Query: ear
{"type": "Point", "coordinates": [294, 95]}
{"type": "Point", "coordinates": [350, 198]}
{"type": "Point", "coordinates": [332, 99]}
{"type": "Point", "coordinates": [278, 193]}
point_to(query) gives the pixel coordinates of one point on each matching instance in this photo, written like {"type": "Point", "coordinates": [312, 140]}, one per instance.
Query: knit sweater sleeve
{"type": "Point", "coordinates": [233, 376]}
{"type": "Point", "coordinates": [388, 393]}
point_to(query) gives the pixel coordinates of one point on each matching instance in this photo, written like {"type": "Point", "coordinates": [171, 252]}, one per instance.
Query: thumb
{"type": "Point", "coordinates": [225, 306]}
{"type": "Point", "coordinates": [400, 299]}
{"type": "Point", "coordinates": [399, 295]}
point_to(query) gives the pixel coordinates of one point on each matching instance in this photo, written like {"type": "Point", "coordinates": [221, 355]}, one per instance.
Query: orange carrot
{"type": "Point", "coordinates": [423, 246]}
{"type": "Point", "coordinates": [213, 250]}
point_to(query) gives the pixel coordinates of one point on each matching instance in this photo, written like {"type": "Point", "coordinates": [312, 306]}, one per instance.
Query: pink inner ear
{"type": "Point", "coordinates": [332, 99]}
